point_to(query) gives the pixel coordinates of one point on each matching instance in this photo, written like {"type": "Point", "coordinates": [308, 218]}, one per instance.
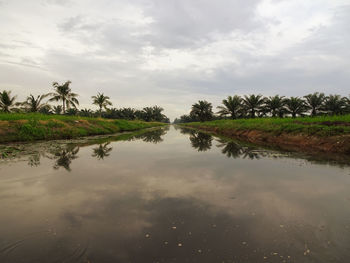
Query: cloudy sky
{"type": "Point", "coordinates": [174, 52]}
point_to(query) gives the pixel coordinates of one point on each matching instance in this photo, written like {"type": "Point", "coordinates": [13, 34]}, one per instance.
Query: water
{"type": "Point", "coordinates": [170, 196]}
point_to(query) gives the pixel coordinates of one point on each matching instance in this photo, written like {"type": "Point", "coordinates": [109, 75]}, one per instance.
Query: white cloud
{"type": "Point", "coordinates": [173, 53]}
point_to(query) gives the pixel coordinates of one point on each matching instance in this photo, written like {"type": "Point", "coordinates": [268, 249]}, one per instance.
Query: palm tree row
{"type": "Point", "coordinates": [253, 106]}
{"type": "Point", "coordinates": [69, 102]}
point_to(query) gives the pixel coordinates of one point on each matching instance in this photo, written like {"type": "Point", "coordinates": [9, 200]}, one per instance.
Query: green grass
{"type": "Point", "coordinates": [29, 127]}
{"type": "Point", "coordinates": [306, 125]}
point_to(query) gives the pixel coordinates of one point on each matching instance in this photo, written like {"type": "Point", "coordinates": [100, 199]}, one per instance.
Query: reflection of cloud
{"type": "Point", "coordinates": [129, 204]}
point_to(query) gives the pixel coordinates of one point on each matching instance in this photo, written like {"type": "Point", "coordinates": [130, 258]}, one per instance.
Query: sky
{"type": "Point", "coordinates": [173, 53]}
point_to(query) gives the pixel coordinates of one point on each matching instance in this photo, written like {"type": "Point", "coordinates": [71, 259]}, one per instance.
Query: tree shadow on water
{"type": "Point", "coordinates": [155, 136]}
{"type": "Point", "coordinates": [102, 151]}
{"type": "Point", "coordinates": [235, 150]}
{"type": "Point", "coordinates": [64, 156]}
{"type": "Point", "coordinates": [200, 141]}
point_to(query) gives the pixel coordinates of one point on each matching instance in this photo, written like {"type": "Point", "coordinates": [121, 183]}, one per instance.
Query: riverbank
{"type": "Point", "coordinates": [30, 127]}
{"type": "Point", "coordinates": [320, 134]}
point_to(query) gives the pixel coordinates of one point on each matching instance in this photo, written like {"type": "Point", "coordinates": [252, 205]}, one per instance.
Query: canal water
{"type": "Point", "coordinates": [170, 195]}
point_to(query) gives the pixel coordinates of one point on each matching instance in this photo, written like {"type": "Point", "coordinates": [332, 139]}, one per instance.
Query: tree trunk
{"type": "Point", "coordinates": [64, 106]}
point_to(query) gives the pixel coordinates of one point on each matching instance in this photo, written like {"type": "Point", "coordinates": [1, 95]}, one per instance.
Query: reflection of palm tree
{"type": "Point", "coordinates": [154, 136]}
{"type": "Point", "coordinates": [201, 141]}
{"type": "Point", "coordinates": [251, 153]}
{"type": "Point", "coordinates": [231, 149]}
{"type": "Point", "coordinates": [64, 157]}
{"type": "Point", "coordinates": [102, 151]}
{"type": "Point", "coordinates": [234, 150]}
{"type": "Point", "coordinates": [187, 131]}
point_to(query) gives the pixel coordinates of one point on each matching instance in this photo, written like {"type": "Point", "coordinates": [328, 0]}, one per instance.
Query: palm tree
{"type": "Point", "coordinates": [146, 114]}
{"type": "Point", "coordinates": [315, 102]}
{"type": "Point", "coordinates": [275, 106]}
{"type": "Point", "coordinates": [202, 110]}
{"type": "Point", "coordinates": [335, 105]}
{"type": "Point", "coordinates": [72, 112]}
{"type": "Point", "coordinates": [253, 103]}
{"type": "Point", "coordinates": [295, 106]}
{"type": "Point", "coordinates": [128, 113]}
{"type": "Point", "coordinates": [45, 109]}
{"type": "Point", "coordinates": [57, 109]}
{"type": "Point", "coordinates": [157, 113]}
{"type": "Point", "coordinates": [347, 106]}
{"type": "Point", "coordinates": [64, 93]}
{"type": "Point", "coordinates": [101, 101]}
{"type": "Point", "coordinates": [7, 102]}
{"type": "Point", "coordinates": [35, 104]}
{"type": "Point", "coordinates": [152, 114]}
{"type": "Point", "coordinates": [232, 106]}
{"type": "Point", "coordinates": [85, 113]}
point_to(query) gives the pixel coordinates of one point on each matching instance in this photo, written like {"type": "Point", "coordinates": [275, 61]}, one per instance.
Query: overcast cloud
{"type": "Point", "coordinates": [175, 52]}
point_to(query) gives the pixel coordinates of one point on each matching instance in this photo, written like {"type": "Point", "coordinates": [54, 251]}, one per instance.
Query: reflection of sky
{"type": "Point", "coordinates": [126, 206]}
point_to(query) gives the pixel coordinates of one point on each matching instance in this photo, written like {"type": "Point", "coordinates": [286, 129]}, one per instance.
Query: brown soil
{"type": "Point", "coordinates": [332, 144]}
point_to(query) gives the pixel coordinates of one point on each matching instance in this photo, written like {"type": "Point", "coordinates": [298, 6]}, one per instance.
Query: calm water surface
{"type": "Point", "coordinates": [171, 196]}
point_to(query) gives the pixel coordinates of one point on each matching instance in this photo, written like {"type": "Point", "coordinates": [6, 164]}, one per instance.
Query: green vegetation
{"type": "Point", "coordinates": [101, 101]}
{"type": "Point", "coordinates": [64, 93]}
{"type": "Point", "coordinates": [69, 106]}
{"type": "Point", "coordinates": [316, 126]}
{"type": "Point", "coordinates": [252, 106]}
{"type": "Point", "coordinates": [64, 153]}
{"type": "Point", "coordinates": [35, 126]}
{"type": "Point", "coordinates": [202, 110]}
{"type": "Point", "coordinates": [7, 102]}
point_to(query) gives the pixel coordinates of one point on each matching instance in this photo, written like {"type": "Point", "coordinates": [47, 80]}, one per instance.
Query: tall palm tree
{"type": "Point", "coordinates": [147, 114]}
{"type": "Point", "coordinates": [101, 101]}
{"type": "Point", "coordinates": [33, 104]}
{"type": "Point", "coordinates": [335, 104]}
{"type": "Point", "coordinates": [157, 113]}
{"type": "Point", "coordinates": [315, 102]}
{"type": "Point", "coordinates": [232, 106]}
{"type": "Point", "coordinates": [202, 110]}
{"type": "Point", "coordinates": [295, 106]}
{"type": "Point", "coordinates": [6, 101]}
{"type": "Point", "coordinates": [275, 106]}
{"type": "Point", "coordinates": [253, 103]}
{"type": "Point", "coordinates": [64, 93]}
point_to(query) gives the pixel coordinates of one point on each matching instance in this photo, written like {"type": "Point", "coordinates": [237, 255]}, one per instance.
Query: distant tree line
{"type": "Point", "coordinates": [69, 105]}
{"type": "Point", "coordinates": [253, 106]}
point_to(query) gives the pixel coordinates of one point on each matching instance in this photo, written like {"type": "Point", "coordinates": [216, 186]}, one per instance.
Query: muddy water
{"type": "Point", "coordinates": [170, 196]}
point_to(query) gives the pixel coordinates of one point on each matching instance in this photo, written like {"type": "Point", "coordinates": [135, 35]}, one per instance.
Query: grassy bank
{"type": "Point", "coordinates": [316, 126]}
{"type": "Point", "coordinates": [328, 133]}
{"type": "Point", "coordinates": [29, 127]}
